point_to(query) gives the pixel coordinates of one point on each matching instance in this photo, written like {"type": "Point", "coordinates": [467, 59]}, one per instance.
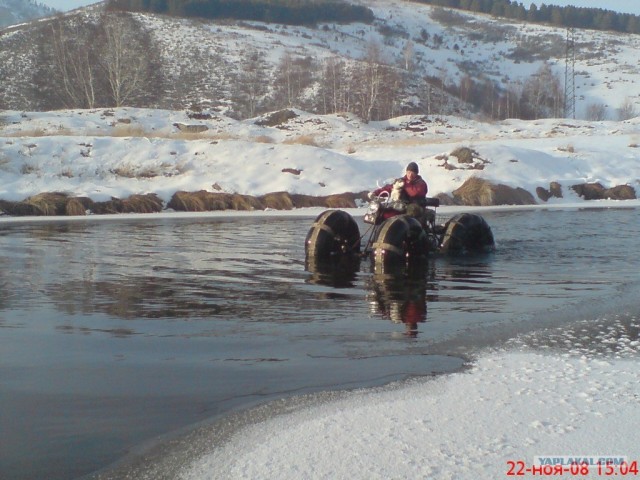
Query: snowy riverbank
{"type": "Point", "coordinates": [489, 422]}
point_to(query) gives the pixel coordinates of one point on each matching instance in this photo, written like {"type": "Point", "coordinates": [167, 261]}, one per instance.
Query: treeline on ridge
{"type": "Point", "coordinates": [569, 16]}
{"type": "Point", "coordinates": [292, 12]}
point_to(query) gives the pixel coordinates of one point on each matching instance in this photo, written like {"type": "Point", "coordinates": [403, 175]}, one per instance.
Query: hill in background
{"type": "Point", "coordinates": [409, 59]}
{"type": "Point", "coordinates": [13, 12]}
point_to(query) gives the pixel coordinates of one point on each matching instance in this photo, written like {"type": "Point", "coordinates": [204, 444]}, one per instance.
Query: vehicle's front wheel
{"type": "Point", "coordinates": [399, 240]}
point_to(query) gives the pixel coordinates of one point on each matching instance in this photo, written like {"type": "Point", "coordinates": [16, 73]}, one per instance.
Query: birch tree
{"type": "Point", "coordinates": [75, 65]}
{"type": "Point", "coordinates": [542, 94]}
{"type": "Point", "coordinates": [252, 83]}
{"type": "Point", "coordinates": [334, 86]}
{"type": "Point", "coordinates": [124, 60]}
{"type": "Point", "coordinates": [369, 81]}
{"type": "Point", "coordinates": [103, 64]}
{"type": "Point", "coordinates": [407, 55]}
{"type": "Point", "coordinates": [292, 77]}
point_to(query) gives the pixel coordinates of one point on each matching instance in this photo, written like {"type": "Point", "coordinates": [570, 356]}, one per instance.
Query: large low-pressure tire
{"type": "Point", "coordinates": [399, 240]}
{"type": "Point", "coordinates": [467, 233]}
{"type": "Point", "coordinates": [333, 233]}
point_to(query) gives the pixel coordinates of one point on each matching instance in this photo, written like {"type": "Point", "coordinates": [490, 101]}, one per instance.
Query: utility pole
{"type": "Point", "coordinates": [570, 76]}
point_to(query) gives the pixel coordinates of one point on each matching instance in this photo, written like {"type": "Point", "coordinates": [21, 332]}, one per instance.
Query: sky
{"type": "Point", "coordinates": [624, 6]}
{"type": "Point", "coordinates": [65, 5]}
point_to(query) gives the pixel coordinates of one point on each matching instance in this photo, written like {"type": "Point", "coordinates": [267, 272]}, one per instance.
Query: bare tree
{"type": "Point", "coordinates": [512, 100]}
{"type": "Point", "coordinates": [443, 100]}
{"type": "Point", "coordinates": [596, 112]}
{"type": "Point", "coordinates": [124, 59]}
{"type": "Point", "coordinates": [292, 77]}
{"type": "Point", "coordinates": [368, 81]}
{"type": "Point", "coordinates": [489, 97]}
{"type": "Point", "coordinates": [428, 96]}
{"type": "Point", "coordinates": [327, 91]}
{"type": "Point", "coordinates": [407, 55]}
{"type": "Point", "coordinates": [627, 110]}
{"type": "Point", "coordinates": [75, 65]}
{"type": "Point", "coordinates": [90, 64]}
{"type": "Point", "coordinates": [335, 85]}
{"type": "Point", "coordinates": [466, 87]}
{"type": "Point", "coordinates": [252, 84]}
{"type": "Point", "coordinates": [542, 94]}
{"type": "Point", "coordinates": [285, 83]}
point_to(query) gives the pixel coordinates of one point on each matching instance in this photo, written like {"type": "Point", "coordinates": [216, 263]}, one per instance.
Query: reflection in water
{"type": "Point", "coordinates": [148, 269]}
{"type": "Point", "coordinates": [396, 294]}
{"type": "Point", "coordinates": [400, 298]}
{"type": "Point", "coordinates": [341, 272]}
{"type": "Point", "coordinates": [137, 297]}
{"type": "Point", "coordinates": [473, 285]}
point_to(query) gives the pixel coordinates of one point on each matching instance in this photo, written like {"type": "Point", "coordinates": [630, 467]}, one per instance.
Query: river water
{"type": "Point", "coordinates": [119, 334]}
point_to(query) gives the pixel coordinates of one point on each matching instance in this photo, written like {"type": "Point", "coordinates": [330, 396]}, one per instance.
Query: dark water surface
{"type": "Point", "coordinates": [114, 332]}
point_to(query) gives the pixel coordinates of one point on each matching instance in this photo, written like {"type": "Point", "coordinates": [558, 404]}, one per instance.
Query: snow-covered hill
{"type": "Point", "coordinates": [13, 12]}
{"type": "Point", "coordinates": [202, 61]}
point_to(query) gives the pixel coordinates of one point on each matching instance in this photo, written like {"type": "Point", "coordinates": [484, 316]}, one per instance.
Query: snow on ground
{"type": "Point", "coordinates": [117, 153]}
{"type": "Point", "coordinates": [511, 406]}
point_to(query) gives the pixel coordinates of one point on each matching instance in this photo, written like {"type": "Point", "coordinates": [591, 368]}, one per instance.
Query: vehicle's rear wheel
{"type": "Point", "coordinates": [333, 233]}
{"type": "Point", "coordinates": [467, 233]}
